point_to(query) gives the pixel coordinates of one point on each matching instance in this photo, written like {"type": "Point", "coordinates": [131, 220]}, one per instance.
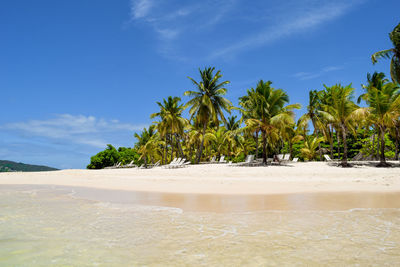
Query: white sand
{"type": "Point", "coordinates": [222, 179]}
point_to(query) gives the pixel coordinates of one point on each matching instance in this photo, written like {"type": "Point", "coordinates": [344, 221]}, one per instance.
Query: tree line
{"type": "Point", "coordinates": [267, 123]}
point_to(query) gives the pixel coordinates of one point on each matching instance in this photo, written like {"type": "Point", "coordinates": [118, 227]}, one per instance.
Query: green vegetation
{"type": "Point", "coordinates": [110, 156]}
{"type": "Point", "coordinates": [11, 166]}
{"type": "Point", "coordinates": [268, 126]}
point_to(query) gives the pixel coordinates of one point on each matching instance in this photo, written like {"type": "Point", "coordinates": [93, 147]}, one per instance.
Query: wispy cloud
{"type": "Point", "coordinates": [78, 129]}
{"type": "Point", "coordinates": [300, 21]}
{"type": "Point", "coordinates": [140, 8]}
{"type": "Point", "coordinates": [315, 74]}
{"type": "Point", "coordinates": [174, 21]}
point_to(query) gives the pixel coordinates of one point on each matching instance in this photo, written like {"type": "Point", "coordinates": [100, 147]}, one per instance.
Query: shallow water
{"type": "Point", "coordinates": [43, 226]}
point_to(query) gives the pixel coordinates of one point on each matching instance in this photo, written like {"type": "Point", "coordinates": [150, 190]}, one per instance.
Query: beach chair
{"type": "Point", "coordinates": [129, 165]}
{"type": "Point", "coordinates": [172, 163]}
{"type": "Point", "coordinates": [280, 157]}
{"type": "Point", "coordinates": [222, 159]}
{"type": "Point", "coordinates": [116, 165]}
{"type": "Point", "coordinates": [295, 160]}
{"type": "Point", "coordinates": [154, 165]}
{"type": "Point", "coordinates": [247, 162]}
{"type": "Point", "coordinates": [327, 158]}
{"type": "Point", "coordinates": [286, 157]}
{"type": "Point", "coordinates": [213, 159]}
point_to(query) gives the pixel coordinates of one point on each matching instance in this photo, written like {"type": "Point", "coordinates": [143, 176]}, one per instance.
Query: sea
{"type": "Point", "coordinates": [70, 226]}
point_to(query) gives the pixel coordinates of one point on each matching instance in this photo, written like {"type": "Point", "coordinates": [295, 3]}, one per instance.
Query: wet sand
{"type": "Point", "coordinates": [331, 201]}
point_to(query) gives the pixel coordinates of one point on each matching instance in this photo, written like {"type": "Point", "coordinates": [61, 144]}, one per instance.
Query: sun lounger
{"type": "Point", "coordinates": [286, 157]}
{"type": "Point", "coordinates": [117, 165]}
{"type": "Point", "coordinates": [154, 165]}
{"type": "Point", "coordinates": [295, 160]}
{"type": "Point", "coordinates": [327, 158]}
{"type": "Point", "coordinates": [249, 160]}
{"type": "Point", "coordinates": [222, 159]}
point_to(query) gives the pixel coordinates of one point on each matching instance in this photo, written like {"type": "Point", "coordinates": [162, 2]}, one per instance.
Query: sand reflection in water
{"type": "Point", "coordinates": [45, 225]}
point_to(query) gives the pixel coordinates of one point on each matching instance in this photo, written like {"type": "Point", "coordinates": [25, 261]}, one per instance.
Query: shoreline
{"type": "Point", "coordinates": [310, 177]}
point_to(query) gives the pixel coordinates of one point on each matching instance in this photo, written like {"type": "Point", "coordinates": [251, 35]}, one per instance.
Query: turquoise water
{"type": "Point", "coordinates": [48, 227]}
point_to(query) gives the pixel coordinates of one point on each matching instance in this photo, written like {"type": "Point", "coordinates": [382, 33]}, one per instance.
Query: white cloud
{"type": "Point", "coordinates": [78, 129]}
{"type": "Point", "coordinates": [303, 20]}
{"type": "Point", "coordinates": [140, 8]}
{"type": "Point", "coordinates": [312, 75]}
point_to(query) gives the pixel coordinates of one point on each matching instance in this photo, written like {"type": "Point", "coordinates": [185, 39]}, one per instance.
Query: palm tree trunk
{"type": "Point", "coordinates": [256, 144]}
{"type": "Point", "coordinates": [264, 145]}
{"type": "Point", "coordinates": [377, 144]}
{"type": "Point", "coordinates": [172, 147]}
{"type": "Point", "coordinates": [202, 143]}
{"type": "Point", "coordinates": [397, 144]}
{"type": "Point", "coordinates": [331, 141]}
{"type": "Point", "coordinates": [338, 144]}
{"type": "Point", "coordinates": [344, 160]}
{"type": "Point", "coordinates": [165, 150]}
{"type": "Point", "coordinates": [179, 146]}
{"type": "Point", "coordinates": [382, 162]}
{"type": "Point", "coordinates": [319, 147]}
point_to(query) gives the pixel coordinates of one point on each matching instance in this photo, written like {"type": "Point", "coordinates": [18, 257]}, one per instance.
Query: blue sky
{"type": "Point", "coordinates": [76, 75]}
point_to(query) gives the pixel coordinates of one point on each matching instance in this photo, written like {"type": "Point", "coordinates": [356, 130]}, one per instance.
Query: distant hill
{"type": "Point", "coordinates": [11, 166]}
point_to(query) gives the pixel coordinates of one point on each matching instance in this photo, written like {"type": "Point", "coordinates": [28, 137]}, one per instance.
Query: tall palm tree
{"type": "Point", "coordinates": [315, 116]}
{"type": "Point", "coordinates": [208, 103]}
{"type": "Point", "coordinates": [271, 113]}
{"type": "Point", "coordinates": [145, 138]}
{"type": "Point", "coordinates": [383, 99]}
{"type": "Point", "coordinates": [248, 109]}
{"type": "Point", "coordinates": [172, 121]}
{"type": "Point", "coordinates": [342, 112]}
{"type": "Point", "coordinates": [392, 53]}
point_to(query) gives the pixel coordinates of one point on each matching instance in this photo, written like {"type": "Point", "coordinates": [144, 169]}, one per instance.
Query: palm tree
{"type": "Point", "coordinates": [383, 98]}
{"type": "Point", "coordinates": [315, 116]}
{"type": "Point", "coordinates": [342, 112]}
{"type": "Point", "coordinates": [271, 113]}
{"type": "Point", "coordinates": [172, 121]}
{"type": "Point", "coordinates": [392, 53]}
{"type": "Point", "coordinates": [292, 136]}
{"type": "Point", "coordinates": [145, 138]}
{"type": "Point", "coordinates": [310, 149]}
{"type": "Point", "coordinates": [208, 103]}
{"type": "Point", "coordinates": [249, 111]}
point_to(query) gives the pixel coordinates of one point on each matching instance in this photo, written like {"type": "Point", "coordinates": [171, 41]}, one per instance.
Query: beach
{"type": "Point", "coordinates": [303, 214]}
{"type": "Point", "coordinates": [308, 177]}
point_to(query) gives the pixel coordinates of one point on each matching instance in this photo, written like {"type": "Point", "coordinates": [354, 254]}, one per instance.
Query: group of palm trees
{"type": "Point", "coordinates": [267, 122]}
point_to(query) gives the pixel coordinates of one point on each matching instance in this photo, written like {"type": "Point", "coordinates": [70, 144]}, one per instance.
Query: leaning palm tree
{"type": "Point", "coordinates": [271, 113]}
{"type": "Point", "coordinates": [383, 99]}
{"type": "Point", "coordinates": [208, 103]}
{"type": "Point", "coordinates": [342, 112]}
{"type": "Point", "coordinates": [392, 53]}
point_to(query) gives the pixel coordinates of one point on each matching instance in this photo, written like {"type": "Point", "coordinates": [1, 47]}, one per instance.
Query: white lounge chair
{"type": "Point", "coordinates": [295, 160]}
{"type": "Point", "coordinates": [129, 165]}
{"type": "Point", "coordinates": [248, 161]}
{"type": "Point", "coordinates": [328, 158]}
{"type": "Point", "coordinates": [222, 159]}
{"type": "Point", "coordinates": [286, 157]}
{"type": "Point", "coordinates": [155, 165]}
